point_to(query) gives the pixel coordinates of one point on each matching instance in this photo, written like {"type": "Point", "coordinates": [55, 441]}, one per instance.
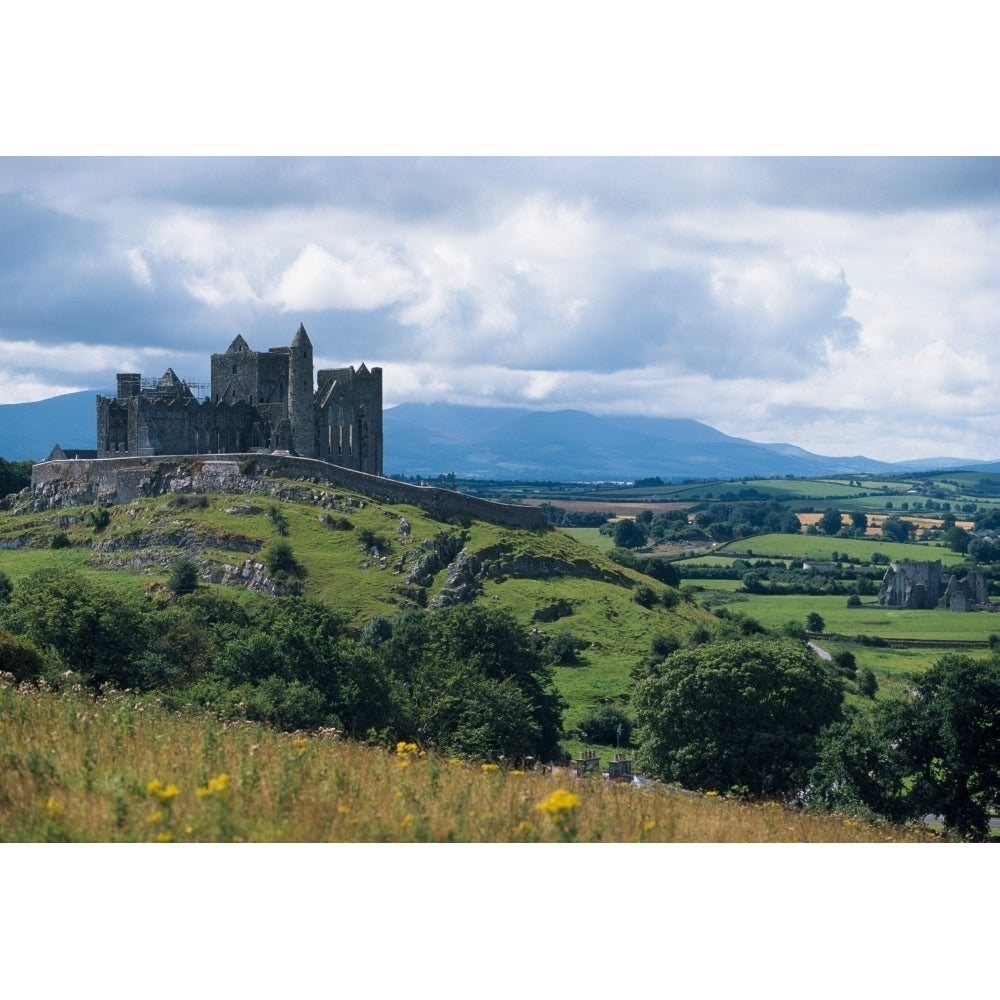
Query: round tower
{"type": "Point", "coordinates": [301, 409]}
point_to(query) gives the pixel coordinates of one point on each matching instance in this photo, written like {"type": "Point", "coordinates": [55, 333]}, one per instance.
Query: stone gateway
{"type": "Point", "coordinates": [259, 401]}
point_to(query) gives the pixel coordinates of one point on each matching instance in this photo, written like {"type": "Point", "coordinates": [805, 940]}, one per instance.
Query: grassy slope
{"type": "Point", "coordinates": [616, 630]}
{"type": "Point", "coordinates": [111, 773]}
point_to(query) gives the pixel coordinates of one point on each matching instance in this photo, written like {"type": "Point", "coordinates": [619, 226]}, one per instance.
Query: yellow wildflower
{"type": "Point", "coordinates": [164, 837]}
{"type": "Point", "coordinates": [711, 794]}
{"type": "Point", "coordinates": [455, 762]}
{"type": "Point", "coordinates": [404, 749]}
{"type": "Point", "coordinates": [161, 791]}
{"type": "Point", "coordinates": [55, 808]}
{"type": "Point", "coordinates": [219, 787]}
{"type": "Point", "coordinates": [155, 817]}
{"type": "Point", "coordinates": [559, 802]}
{"type": "Point", "coordinates": [343, 810]}
{"type": "Point", "coordinates": [487, 768]}
{"type": "Point", "coordinates": [300, 744]}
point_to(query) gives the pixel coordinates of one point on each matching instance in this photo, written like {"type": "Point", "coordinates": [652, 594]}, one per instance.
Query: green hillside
{"type": "Point", "coordinates": [363, 560]}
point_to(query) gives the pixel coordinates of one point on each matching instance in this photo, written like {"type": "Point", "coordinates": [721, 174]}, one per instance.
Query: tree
{"type": "Point", "coordinates": [98, 631]}
{"type": "Point", "coordinates": [957, 539]}
{"type": "Point", "coordinates": [183, 578]}
{"type": "Point", "coordinates": [476, 686]}
{"type": "Point", "coordinates": [830, 522]}
{"type": "Point", "coordinates": [937, 753]}
{"type": "Point", "coordinates": [949, 735]}
{"type": "Point", "coordinates": [859, 521]}
{"type": "Point", "coordinates": [627, 534]}
{"type": "Point", "coordinates": [814, 622]}
{"type": "Point", "coordinates": [896, 529]}
{"type": "Point", "coordinates": [741, 715]}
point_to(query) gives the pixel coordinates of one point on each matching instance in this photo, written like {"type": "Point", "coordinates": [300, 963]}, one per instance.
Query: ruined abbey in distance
{"type": "Point", "coordinates": [260, 401]}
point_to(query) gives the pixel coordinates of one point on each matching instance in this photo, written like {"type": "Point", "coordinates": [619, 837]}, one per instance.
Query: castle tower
{"type": "Point", "coordinates": [301, 409]}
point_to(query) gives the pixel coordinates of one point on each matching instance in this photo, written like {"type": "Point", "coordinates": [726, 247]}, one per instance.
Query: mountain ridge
{"type": "Point", "coordinates": [429, 439]}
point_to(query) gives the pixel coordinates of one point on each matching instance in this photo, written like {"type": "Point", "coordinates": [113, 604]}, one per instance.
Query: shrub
{"type": "Point", "coordinates": [602, 727]}
{"type": "Point", "coordinates": [644, 595]}
{"type": "Point", "coordinates": [183, 577]}
{"type": "Point", "coordinates": [19, 657]}
{"type": "Point", "coordinates": [6, 587]}
{"type": "Point", "coordinates": [98, 518]}
{"type": "Point", "coordinates": [866, 682]}
{"type": "Point", "coordinates": [60, 540]}
{"type": "Point", "coordinates": [278, 519]}
{"type": "Point", "coordinates": [561, 649]}
{"type": "Point", "coordinates": [279, 558]}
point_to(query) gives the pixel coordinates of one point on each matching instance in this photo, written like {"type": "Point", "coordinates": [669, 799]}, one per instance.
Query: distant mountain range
{"type": "Point", "coordinates": [429, 439]}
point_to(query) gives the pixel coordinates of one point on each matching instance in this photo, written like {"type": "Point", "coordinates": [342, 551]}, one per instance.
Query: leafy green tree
{"type": "Point", "coordinates": [6, 587]}
{"type": "Point", "coordinates": [14, 476]}
{"type": "Point", "coordinates": [937, 753]}
{"type": "Point", "coordinates": [814, 622]}
{"type": "Point", "coordinates": [97, 631]}
{"type": "Point", "coordinates": [859, 521]}
{"type": "Point", "coordinates": [830, 523]}
{"type": "Point", "coordinates": [475, 684]}
{"type": "Point", "coordinates": [628, 534]}
{"type": "Point", "coordinates": [949, 735]}
{"type": "Point", "coordinates": [739, 715]}
{"type": "Point", "coordinates": [957, 539]}
{"type": "Point", "coordinates": [896, 529]}
{"type": "Point", "coordinates": [183, 578]}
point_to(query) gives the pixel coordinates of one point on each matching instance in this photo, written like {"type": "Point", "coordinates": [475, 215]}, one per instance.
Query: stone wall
{"type": "Point", "coordinates": [109, 481]}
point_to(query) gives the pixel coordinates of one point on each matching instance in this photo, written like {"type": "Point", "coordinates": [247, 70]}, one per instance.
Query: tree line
{"type": "Point", "coordinates": [468, 680]}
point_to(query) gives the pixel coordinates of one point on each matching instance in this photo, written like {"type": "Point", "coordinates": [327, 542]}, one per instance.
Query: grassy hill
{"type": "Point", "coordinates": [364, 559]}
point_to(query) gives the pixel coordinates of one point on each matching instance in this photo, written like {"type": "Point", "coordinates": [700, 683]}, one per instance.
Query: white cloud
{"type": "Point", "coordinates": [666, 287]}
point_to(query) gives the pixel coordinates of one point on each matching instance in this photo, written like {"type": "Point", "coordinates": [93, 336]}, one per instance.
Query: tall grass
{"type": "Point", "coordinates": [120, 769]}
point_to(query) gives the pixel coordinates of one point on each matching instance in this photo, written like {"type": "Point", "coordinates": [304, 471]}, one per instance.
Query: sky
{"type": "Point", "coordinates": [748, 215]}
{"type": "Point", "coordinates": [844, 305]}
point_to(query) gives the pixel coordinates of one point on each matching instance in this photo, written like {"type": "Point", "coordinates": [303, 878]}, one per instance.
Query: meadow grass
{"type": "Point", "coordinates": [117, 769]}
{"type": "Point", "coordinates": [821, 548]}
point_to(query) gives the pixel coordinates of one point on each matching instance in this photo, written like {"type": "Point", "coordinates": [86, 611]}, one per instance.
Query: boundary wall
{"type": "Point", "coordinates": [119, 480]}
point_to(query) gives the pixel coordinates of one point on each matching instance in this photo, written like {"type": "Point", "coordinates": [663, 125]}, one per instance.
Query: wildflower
{"type": "Point", "coordinates": [161, 791]}
{"type": "Point", "coordinates": [164, 837]}
{"type": "Point", "coordinates": [189, 830]}
{"type": "Point", "coordinates": [487, 768]}
{"type": "Point", "coordinates": [649, 826]}
{"type": "Point", "coordinates": [515, 771]}
{"type": "Point", "coordinates": [343, 810]}
{"type": "Point", "coordinates": [300, 744]}
{"type": "Point", "coordinates": [404, 749]}
{"type": "Point", "coordinates": [218, 787]}
{"type": "Point", "coordinates": [522, 828]}
{"type": "Point", "coordinates": [711, 794]}
{"type": "Point", "coordinates": [559, 802]}
{"type": "Point", "coordinates": [455, 762]}
{"type": "Point", "coordinates": [155, 817]}
{"type": "Point", "coordinates": [55, 808]}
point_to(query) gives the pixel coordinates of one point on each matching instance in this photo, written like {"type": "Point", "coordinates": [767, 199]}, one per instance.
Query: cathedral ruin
{"type": "Point", "coordinates": [259, 401]}
{"type": "Point", "coordinates": [923, 585]}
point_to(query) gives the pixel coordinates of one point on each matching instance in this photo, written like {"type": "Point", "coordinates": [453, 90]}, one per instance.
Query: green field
{"type": "Point", "coordinates": [820, 548]}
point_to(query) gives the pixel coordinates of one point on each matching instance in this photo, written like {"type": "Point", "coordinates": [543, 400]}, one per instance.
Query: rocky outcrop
{"type": "Point", "coordinates": [108, 481]}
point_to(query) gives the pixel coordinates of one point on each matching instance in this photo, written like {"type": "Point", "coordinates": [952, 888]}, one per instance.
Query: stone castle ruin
{"type": "Point", "coordinates": [259, 401]}
{"type": "Point", "coordinates": [923, 585]}
{"type": "Point", "coordinates": [262, 418]}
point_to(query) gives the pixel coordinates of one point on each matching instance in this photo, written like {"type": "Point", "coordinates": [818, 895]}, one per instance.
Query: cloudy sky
{"type": "Point", "coordinates": [848, 306]}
